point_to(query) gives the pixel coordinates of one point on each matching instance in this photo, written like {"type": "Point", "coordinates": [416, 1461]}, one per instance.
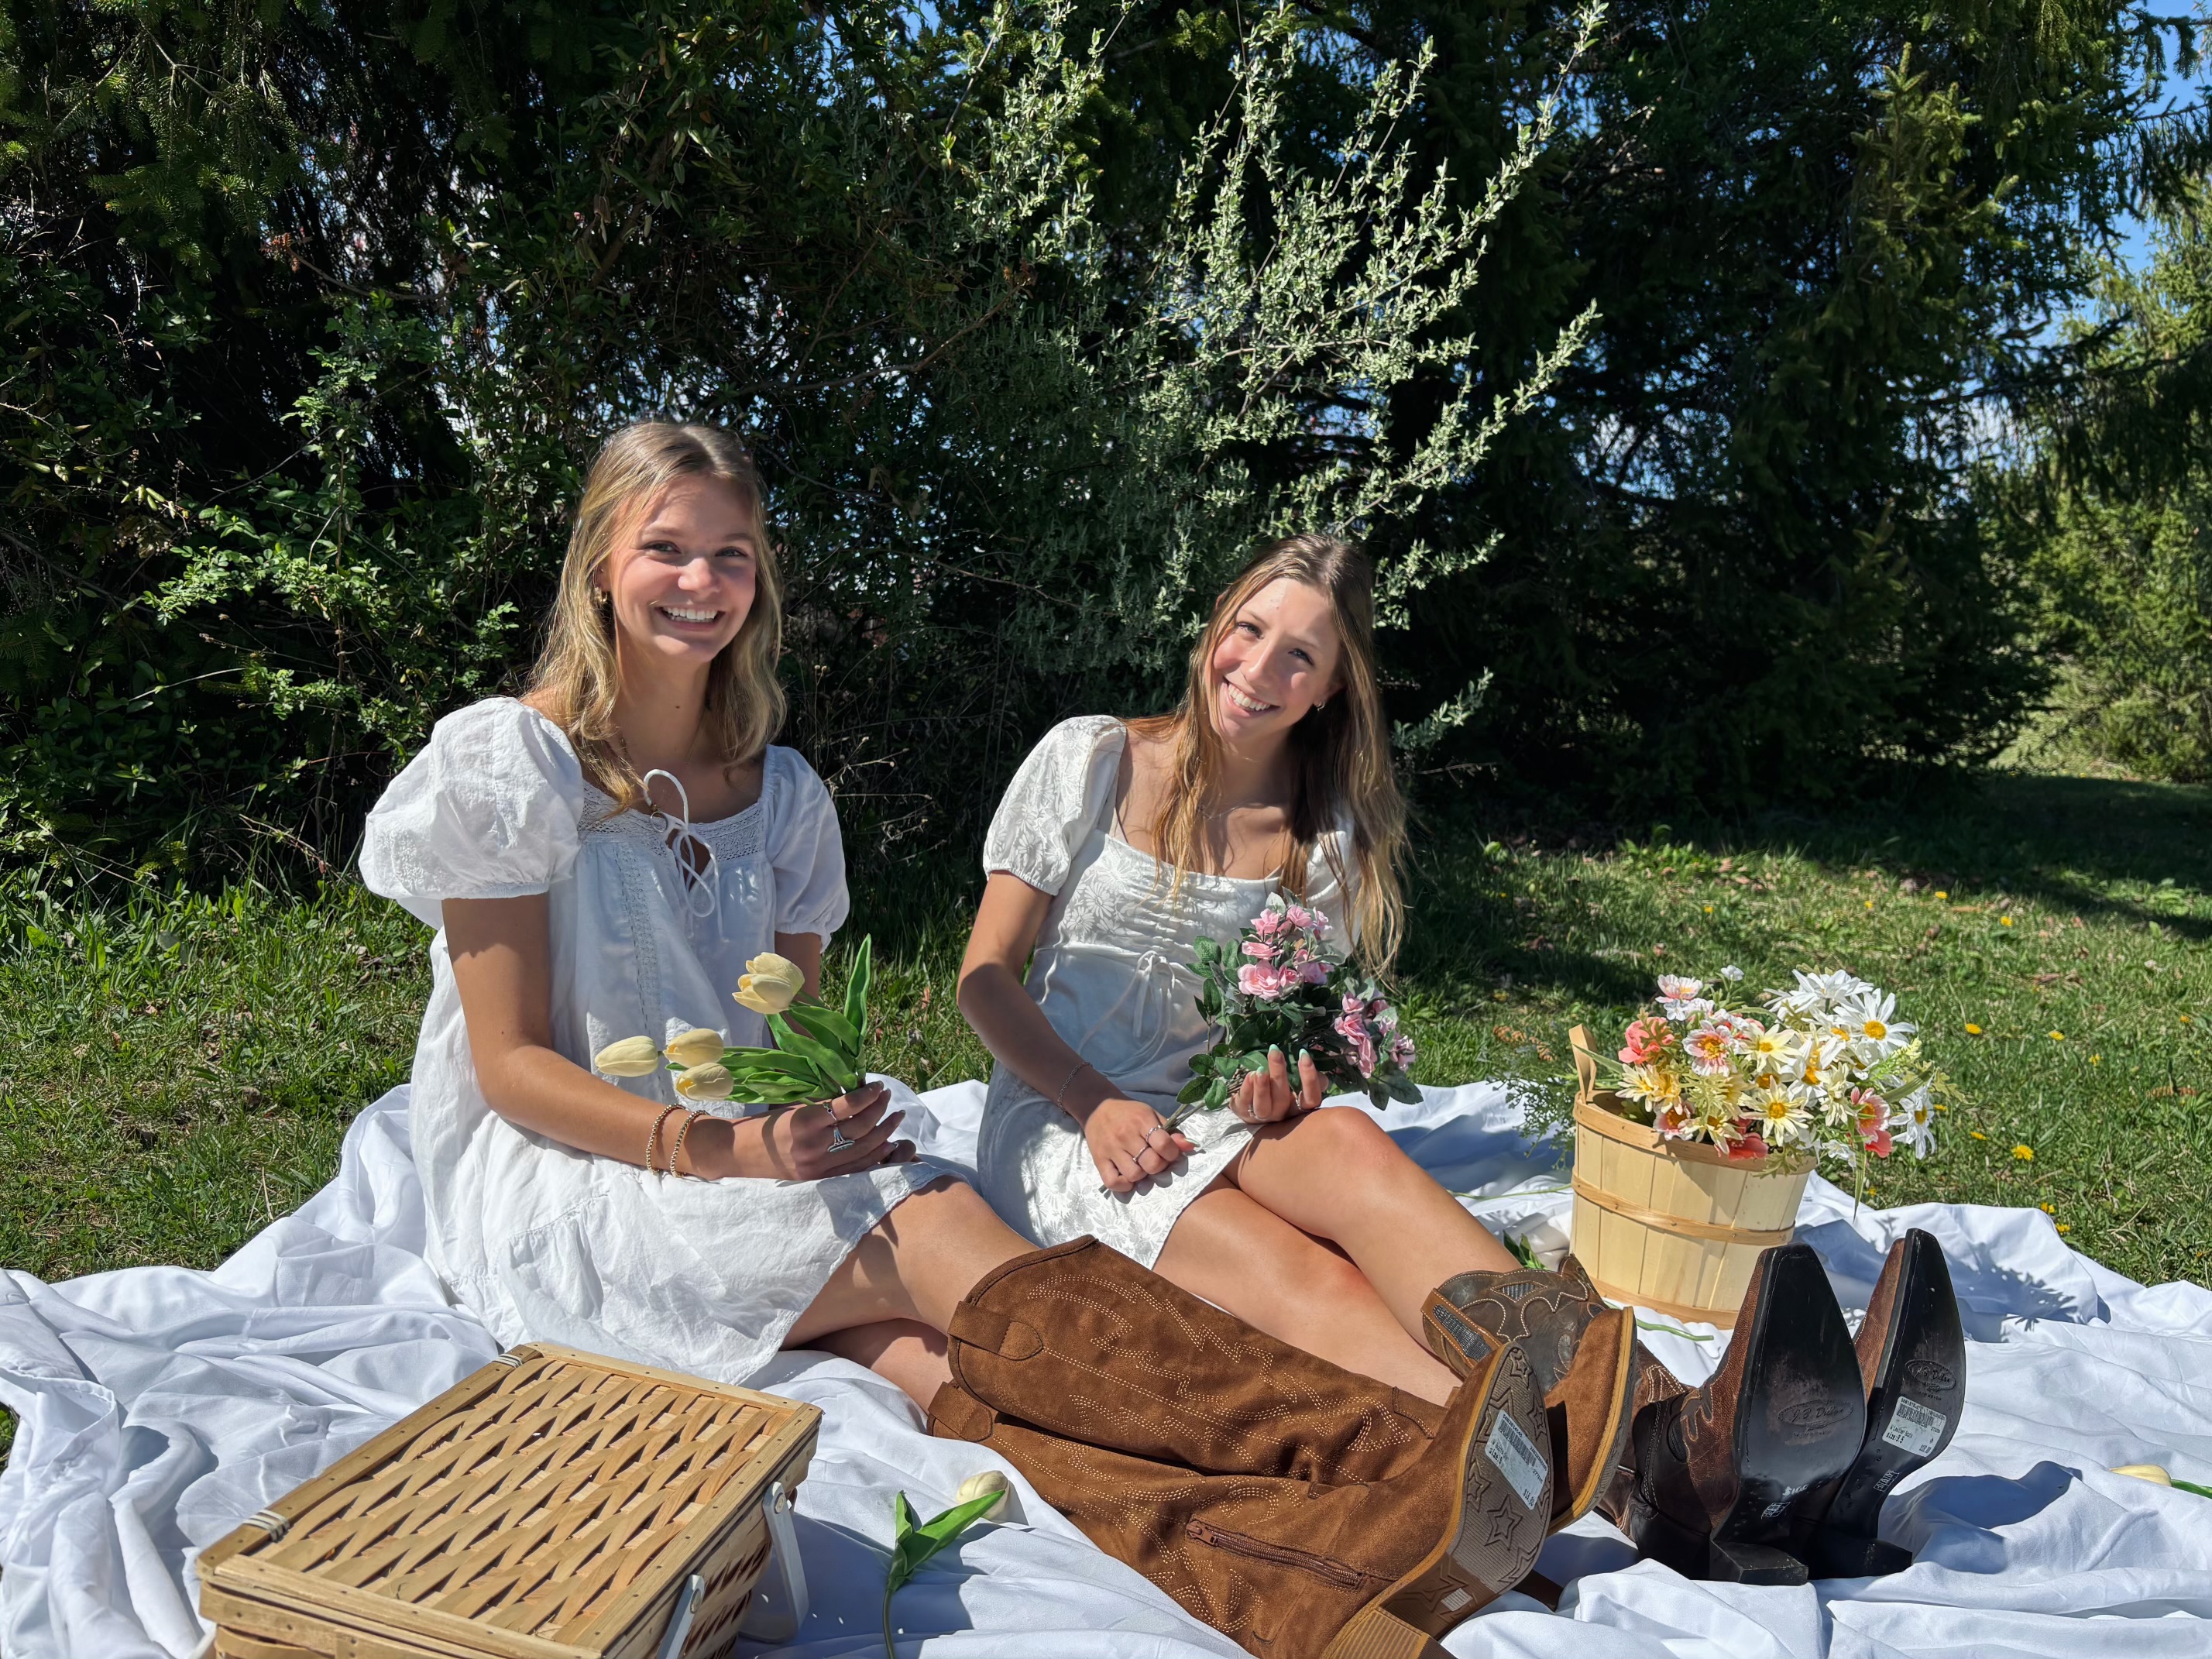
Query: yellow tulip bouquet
{"type": "Point", "coordinates": [813, 1064]}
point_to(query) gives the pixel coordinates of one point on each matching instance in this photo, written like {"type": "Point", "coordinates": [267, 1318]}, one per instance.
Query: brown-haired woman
{"type": "Point", "coordinates": [1119, 843]}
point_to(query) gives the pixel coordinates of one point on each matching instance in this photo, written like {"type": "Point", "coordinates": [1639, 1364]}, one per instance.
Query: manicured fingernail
{"type": "Point", "coordinates": [1275, 1052]}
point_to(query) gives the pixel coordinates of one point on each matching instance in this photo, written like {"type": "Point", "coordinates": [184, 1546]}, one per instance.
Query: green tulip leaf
{"type": "Point", "coordinates": [829, 1026]}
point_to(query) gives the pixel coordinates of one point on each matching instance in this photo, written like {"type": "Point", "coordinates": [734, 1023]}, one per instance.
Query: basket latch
{"type": "Point", "coordinates": [779, 1602]}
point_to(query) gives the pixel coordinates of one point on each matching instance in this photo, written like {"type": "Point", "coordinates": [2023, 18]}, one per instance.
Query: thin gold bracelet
{"type": "Point", "coordinates": [653, 1141]}
{"type": "Point", "coordinates": [676, 1152]}
{"type": "Point", "coordinates": [1081, 1066]}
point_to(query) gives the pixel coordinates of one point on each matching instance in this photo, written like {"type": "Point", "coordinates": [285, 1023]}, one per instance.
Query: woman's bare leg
{"type": "Point", "coordinates": [902, 1351]}
{"type": "Point", "coordinates": [1333, 1173]}
{"type": "Point", "coordinates": [912, 1268]}
{"type": "Point", "coordinates": [1250, 1261]}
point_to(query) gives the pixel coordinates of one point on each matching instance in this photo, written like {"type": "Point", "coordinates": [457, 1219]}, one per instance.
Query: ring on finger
{"type": "Point", "coordinates": [839, 1141]}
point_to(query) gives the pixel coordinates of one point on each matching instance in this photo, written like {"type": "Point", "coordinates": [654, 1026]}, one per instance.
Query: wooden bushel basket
{"type": "Point", "coordinates": [554, 1504]}
{"type": "Point", "coordinates": [1672, 1225]}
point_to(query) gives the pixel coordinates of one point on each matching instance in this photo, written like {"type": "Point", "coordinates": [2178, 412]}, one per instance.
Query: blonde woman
{"type": "Point", "coordinates": [602, 857]}
{"type": "Point", "coordinates": [1119, 842]}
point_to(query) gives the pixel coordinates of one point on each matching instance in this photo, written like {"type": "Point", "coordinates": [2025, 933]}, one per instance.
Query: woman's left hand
{"type": "Point", "coordinates": [1268, 1097]}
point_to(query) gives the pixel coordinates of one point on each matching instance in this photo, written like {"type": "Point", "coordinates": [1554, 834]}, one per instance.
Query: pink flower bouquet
{"type": "Point", "coordinates": [1276, 987]}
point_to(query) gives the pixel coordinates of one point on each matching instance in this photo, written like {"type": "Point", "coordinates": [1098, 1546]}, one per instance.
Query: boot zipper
{"type": "Point", "coordinates": [1237, 1543]}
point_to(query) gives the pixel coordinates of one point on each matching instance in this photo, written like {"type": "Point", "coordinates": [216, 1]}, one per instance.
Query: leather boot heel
{"type": "Point", "coordinates": [1911, 1355]}
{"type": "Point", "coordinates": [1749, 1457]}
{"type": "Point", "coordinates": [1375, 1634]}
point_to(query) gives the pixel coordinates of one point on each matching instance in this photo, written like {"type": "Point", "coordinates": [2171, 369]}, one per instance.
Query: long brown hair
{"type": "Point", "coordinates": [575, 680]}
{"type": "Point", "coordinates": [1341, 752]}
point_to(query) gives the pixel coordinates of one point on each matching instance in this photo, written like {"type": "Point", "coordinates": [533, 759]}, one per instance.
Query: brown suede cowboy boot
{"type": "Point", "coordinates": [1586, 1357]}
{"type": "Point", "coordinates": [1081, 1340]}
{"type": "Point", "coordinates": [1292, 1568]}
{"type": "Point", "coordinates": [1912, 1362]}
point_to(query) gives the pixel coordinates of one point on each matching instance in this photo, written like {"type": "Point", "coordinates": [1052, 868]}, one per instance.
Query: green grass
{"type": "Point", "coordinates": [176, 1072]}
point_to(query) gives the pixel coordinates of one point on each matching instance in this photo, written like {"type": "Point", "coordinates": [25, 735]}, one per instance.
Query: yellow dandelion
{"type": "Point", "coordinates": [2096, 1059]}
{"type": "Point", "coordinates": [1869, 905]}
{"type": "Point", "coordinates": [2064, 1228]}
{"type": "Point", "coordinates": [1941, 894]}
{"type": "Point", "coordinates": [2185, 1019]}
{"type": "Point", "coordinates": [1977, 1134]}
{"type": "Point", "coordinates": [2046, 1209]}
{"type": "Point", "coordinates": [2058, 1036]}
{"type": "Point", "coordinates": [2004, 921]}
{"type": "Point", "coordinates": [1973, 1029]}
{"type": "Point", "coordinates": [1708, 910]}
{"type": "Point", "coordinates": [2026, 1154]}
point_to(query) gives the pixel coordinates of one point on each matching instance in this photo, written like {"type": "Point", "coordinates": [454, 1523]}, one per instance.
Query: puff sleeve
{"type": "Point", "coordinates": [490, 809]}
{"type": "Point", "coordinates": [806, 850]}
{"type": "Point", "coordinates": [1054, 800]}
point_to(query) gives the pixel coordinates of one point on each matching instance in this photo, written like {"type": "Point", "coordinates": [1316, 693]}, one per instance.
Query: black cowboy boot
{"type": "Point", "coordinates": [1912, 1362]}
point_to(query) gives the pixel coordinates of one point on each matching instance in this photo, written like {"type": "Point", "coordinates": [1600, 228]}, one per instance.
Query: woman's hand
{"type": "Point", "coordinates": [801, 1143]}
{"type": "Point", "coordinates": [1129, 1142]}
{"type": "Point", "coordinates": [1267, 1097]}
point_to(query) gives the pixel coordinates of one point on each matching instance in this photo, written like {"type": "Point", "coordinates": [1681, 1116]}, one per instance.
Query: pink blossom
{"type": "Point", "coordinates": [1401, 1052]}
{"type": "Point", "coordinates": [1644, 1040]}
{"type": "Point", "coordinates": [1268, 923]}
{"type": "Point", "coordinates": [1312, 971]}
{"type": "Point", "coordinates": [1299, 916]}
{"type": "Point", "coordinates": [1751, 1144]}
{"type": "Point", "coordinates": [1255, 980]}
{"type": "Point", "coordinates": [1708, 1049]}
{"type": "Point", "coordinates": [1353, 1004]}
{"type": "Point", "coordinates": [1879, 1142]}
{"type": "Point", "coordinates": [1259, 952]}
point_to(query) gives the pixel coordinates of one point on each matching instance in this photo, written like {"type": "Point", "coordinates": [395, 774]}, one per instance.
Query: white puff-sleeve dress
{"type": "Point", "coordinates": [1112, 974]}
{"type": "Point", "coordinates": [542, 1241]}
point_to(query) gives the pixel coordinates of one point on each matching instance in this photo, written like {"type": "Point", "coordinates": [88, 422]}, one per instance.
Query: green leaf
{"type": "Point", "coordinates": [857, 987]}
{"type": "Point", "coordinates": [1193, 1091]}
{"type": "Point", "coordinates": [1217, 1095]}
{"type": "Point", "coordinates": [832, 1063]}
{"type": "Point", "coordinates": [904, 1527]}
{"type": "Point", "coordinates": [1403, 1090]}
{"type": "Point", "coordinates": [915, 1542]}
{"type": "Point", "coordinates": [770, 1060]}
{"type": "Point", "coordinates": [830, 1026]}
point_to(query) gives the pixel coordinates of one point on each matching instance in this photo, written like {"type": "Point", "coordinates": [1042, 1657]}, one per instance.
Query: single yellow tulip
{"type": "Point", "coordinates": [711, 1082]}
{"type": "Point", "coordinates": [635, 1056]}
{"type": "Point", "coordinates": [771, 983]}
{"type": "Point", "coordinates": [701, 1046]}
{"type": "Point", "coordinates": [2149, 1472]}
{"type": "Point", "coordinates": [983, 1481]}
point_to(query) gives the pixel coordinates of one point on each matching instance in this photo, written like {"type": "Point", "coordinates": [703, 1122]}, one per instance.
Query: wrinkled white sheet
{"type": "Point", "coordinates": [159, 1406]}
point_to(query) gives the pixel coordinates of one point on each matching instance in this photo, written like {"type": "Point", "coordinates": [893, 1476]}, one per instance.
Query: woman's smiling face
{"type": "Point", "coordinates": [683, 579]}
{"type": "Point", "coordinates": [1278, 657]}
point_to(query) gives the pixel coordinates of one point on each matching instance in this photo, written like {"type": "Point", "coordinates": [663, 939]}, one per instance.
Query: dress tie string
{"type": "Point", "coordinates": [705, 878]}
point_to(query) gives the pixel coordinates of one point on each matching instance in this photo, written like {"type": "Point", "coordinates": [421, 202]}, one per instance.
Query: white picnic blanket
{"type": "Point", "coordinates": [159, 1406]}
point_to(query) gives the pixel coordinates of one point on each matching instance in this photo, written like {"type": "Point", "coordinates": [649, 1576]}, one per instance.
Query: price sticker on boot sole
{"type": "Point", "coordinates": [1514, 1455]}
{"type": "Point", "coordinates": [1914, 1429]}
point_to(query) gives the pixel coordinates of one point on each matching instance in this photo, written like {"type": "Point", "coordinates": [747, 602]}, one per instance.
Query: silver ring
{"type": "Point", "coordinates": [838, 1143]}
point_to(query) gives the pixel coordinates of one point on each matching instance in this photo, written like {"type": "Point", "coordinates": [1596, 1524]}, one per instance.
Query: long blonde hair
{"type": "Point", "coordinates": [1341, 752]}
{"type": "Point", "coordinates": [575, 680]}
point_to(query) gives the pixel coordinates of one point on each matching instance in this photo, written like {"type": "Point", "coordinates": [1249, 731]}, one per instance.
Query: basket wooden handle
{"type": "Point", "coordinates": [1585, 1062]}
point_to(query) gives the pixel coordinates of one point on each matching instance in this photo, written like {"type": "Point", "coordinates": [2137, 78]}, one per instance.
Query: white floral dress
{"type": "Point", "coordinates": [1112, 974]}
{"type": "Point", "coordinates": [540, 1240]}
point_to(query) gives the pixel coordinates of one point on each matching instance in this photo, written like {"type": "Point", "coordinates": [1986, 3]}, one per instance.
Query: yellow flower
{"type": "Point", "coordinates": [2058, 1036]}
{"type": "Point", "coordinates": [2025, 1154]}
{"type": "Point", "coordinates": [2004, 921]}
{"type": "Point", "coordinates": [702, 1045]}
{"type": "Point", "coordinates": [1869, 905]}
{"type": "Point", "coordinates": [1941, 894]}
{"type": "Point", "coordinates": [2046, 1209]}
{"type": "Point", "coordinates": [2185, 1019]}
{"type": "Point", "coordinates": [1977, 1134]}
{"type": "Point", "coordinates": [635, 1056]}
{"type": "Point", "coordinates": [1973, 1029]}
{"type": "Point", "coordinates": [705, 1083]}
{"type": "Point", "coordinates": [771, 983]}
{"type": "Point", "coordinates": [2064, 1228]}
{"type": "Point", "coordinates": [2096, 1059]}
{"type": "Point", "coordinates": [1708, 910]}
{"type": "Point", "coordinates": [985, 1480]}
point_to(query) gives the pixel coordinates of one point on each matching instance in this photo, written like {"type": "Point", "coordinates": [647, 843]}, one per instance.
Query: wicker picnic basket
{"type": "Point", "coordinates": [554, 1504]}
{"type": "Point", "coordinates": [1672, 1225]}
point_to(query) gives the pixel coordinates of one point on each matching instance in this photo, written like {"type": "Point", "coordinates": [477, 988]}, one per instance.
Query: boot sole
{"type": "Point", "coordinates": [1799, 1422]}
{"type": "Point", "coordinates": [1612, 1433]}
{"type": "Point", "coordinates": [1912, 1412]}
{"type": "Point", "coordinates": [1375, 1634]}
{"type": "Point", "coordinates": [1490, 1541]}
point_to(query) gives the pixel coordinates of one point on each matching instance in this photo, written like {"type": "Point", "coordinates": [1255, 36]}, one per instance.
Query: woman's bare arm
{"type": "Point", "coordinates": [501, 955]}
{"type": "Point", "coordinates": [1125, 1139]}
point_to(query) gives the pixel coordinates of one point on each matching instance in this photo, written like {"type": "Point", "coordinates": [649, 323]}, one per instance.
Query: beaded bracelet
{"type": "Point", "coordinates": [653, 1141]}
{"type": "Point", "coordinates": [676, 1152]}
{"type": "Point", "coordinates": [1060, 1099]}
